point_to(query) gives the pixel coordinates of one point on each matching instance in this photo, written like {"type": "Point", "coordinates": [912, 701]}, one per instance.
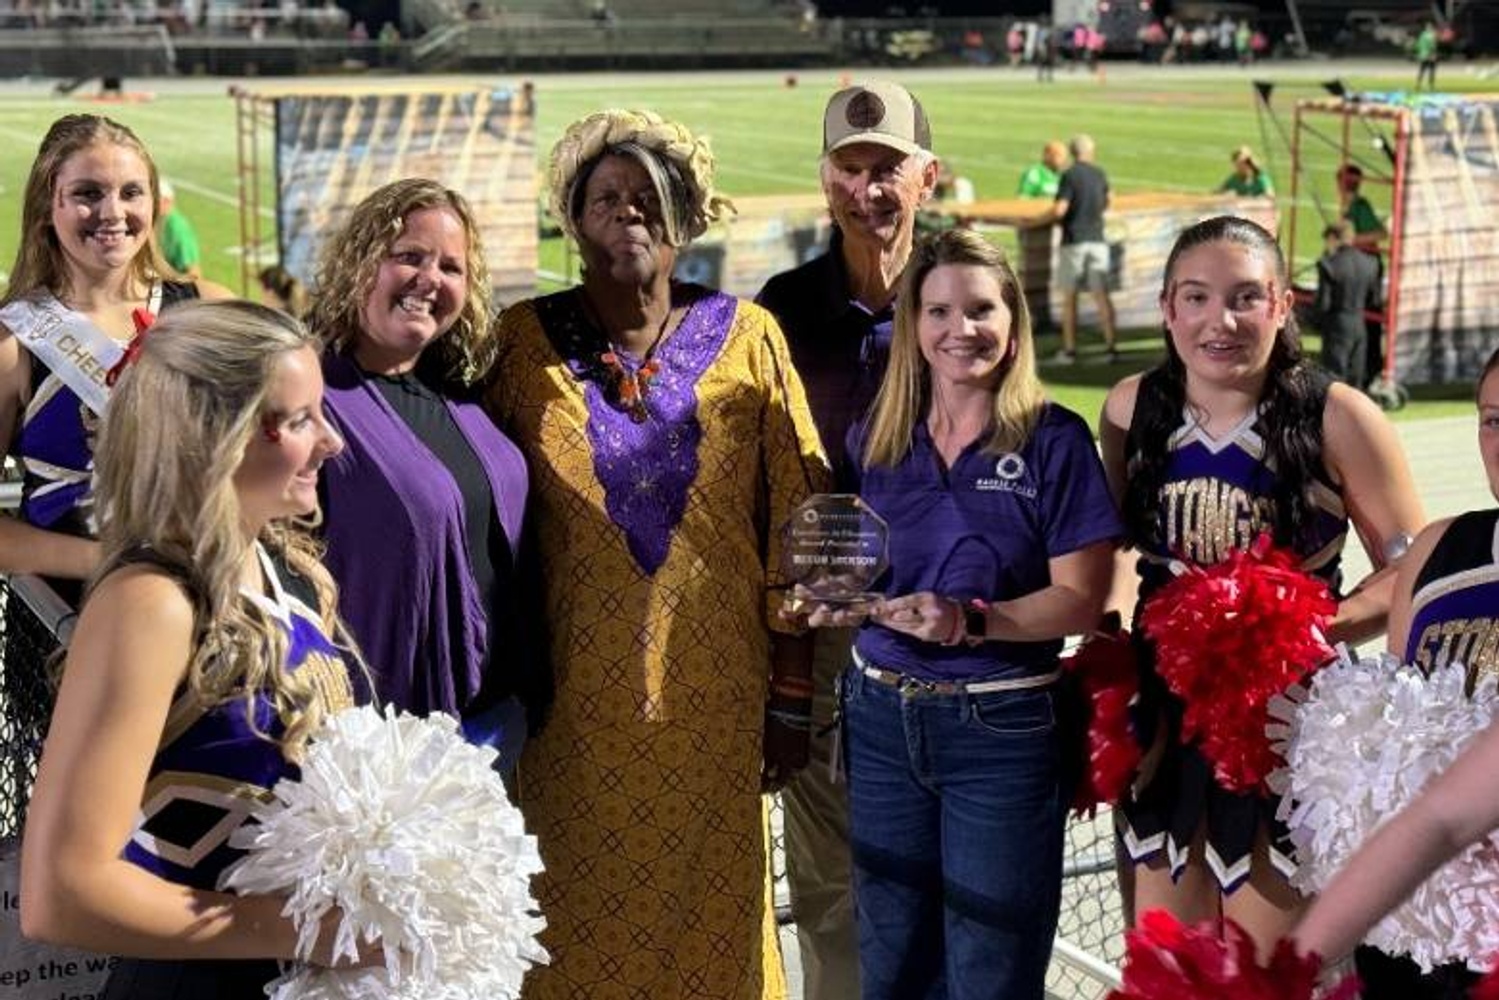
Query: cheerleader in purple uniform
{"type": "Point", "coordinates": [1232, 435]}
{"type": "Point", "coordinates": [1445, 610]}
{"type": "Point", "coordinates": [203, 658]}
{"type": "Point", "coordinates": [88, 274]}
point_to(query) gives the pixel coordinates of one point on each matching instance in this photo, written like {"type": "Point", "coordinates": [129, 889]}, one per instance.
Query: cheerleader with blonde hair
{"type": "Point", "coordinates": [205, 654]}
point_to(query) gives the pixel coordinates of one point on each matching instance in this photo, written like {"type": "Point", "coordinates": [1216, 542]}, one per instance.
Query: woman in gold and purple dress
{"type": "Point", "coordinates": [669, 439]}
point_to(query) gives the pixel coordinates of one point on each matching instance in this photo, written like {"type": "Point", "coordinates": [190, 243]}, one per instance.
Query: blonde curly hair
{"type": "Point", "coordinates": [589, 139]}
{"type": "Point", "coordinates": [350, 263]}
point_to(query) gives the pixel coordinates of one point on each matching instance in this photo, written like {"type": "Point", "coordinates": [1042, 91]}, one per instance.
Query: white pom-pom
{"type": "Point", "coordinates": [405, 827]}
{"type": "Point", "coordinates": [1359, 747]}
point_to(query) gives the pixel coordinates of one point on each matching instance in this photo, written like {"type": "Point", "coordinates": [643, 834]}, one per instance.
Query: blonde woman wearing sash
{"type": "Point", "coordinates": [88, 275]}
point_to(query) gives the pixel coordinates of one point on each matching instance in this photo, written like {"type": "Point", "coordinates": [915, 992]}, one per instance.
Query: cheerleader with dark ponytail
{"type": "Point", "coordinates": [1235, 434]}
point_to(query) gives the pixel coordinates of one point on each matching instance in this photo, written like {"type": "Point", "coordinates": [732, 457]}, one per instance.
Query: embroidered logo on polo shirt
{"type": "Point", "coordinates": [1009, 476]}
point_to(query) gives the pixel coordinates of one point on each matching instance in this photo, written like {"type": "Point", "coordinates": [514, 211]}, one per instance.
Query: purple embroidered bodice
{"type": "Point", "coordinates": [645, 466]}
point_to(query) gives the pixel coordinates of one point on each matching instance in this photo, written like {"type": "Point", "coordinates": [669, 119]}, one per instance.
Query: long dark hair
{"type": "Point", "coordinates": [1291, 405]}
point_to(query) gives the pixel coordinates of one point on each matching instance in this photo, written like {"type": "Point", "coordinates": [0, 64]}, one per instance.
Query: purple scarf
{"type": "Point", "coordinates": [395, 533]}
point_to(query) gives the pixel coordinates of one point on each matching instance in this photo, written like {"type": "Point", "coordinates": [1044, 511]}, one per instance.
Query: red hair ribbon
{"type": "Point", "coordinates": [143, 318]}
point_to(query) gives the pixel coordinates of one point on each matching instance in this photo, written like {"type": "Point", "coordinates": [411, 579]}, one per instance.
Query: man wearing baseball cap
{"type": "Point", "coordinates": [836, 310]}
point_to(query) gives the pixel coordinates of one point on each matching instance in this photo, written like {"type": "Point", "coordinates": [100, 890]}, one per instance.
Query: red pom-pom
{"type": "Point", "coordinates": [1230, 637]}
{"type": "Point", "coordinates": [1108, 679]}
{"type": "Point", "coordinates": [1166, 960]}
{"type": "Point", "coordinates": [1486, 988]}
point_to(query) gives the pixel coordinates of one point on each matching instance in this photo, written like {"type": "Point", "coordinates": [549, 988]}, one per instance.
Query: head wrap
{"type": "Point", "coordinates": [587, 138]}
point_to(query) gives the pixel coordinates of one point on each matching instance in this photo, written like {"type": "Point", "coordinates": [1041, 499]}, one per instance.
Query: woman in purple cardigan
{"type": "Point", "coordinates": [424, 506]}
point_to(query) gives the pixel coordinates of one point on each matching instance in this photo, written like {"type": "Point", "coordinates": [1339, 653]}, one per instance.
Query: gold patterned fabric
{"type": "Point", "coordinates": [643, 788]}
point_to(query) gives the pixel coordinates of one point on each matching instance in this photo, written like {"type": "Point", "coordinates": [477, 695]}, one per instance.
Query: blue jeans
{"type": "Point", "coordinates": [957, 811]}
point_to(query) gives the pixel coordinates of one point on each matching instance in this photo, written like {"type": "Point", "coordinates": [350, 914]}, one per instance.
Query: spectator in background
{"type": "Point", "coordinates": [974, 49]}
{"type": "Point", "coordinates": [808, 20]}
{"type": "Point", "coordinates": [179, 240]}
{"type": "Point", "coordinates": [1153, 40]}
{"type": "Point", "coordinates": [1014, 43]}
{"type": "Point", "coordinates": [1201, 37]}
{"type": "Point", "coordinates": [1426, 56]}
{"type": "Point", "coordinates": [838, 314]}
{"type": "Point", "coordinates": [1248, 180]}
{"type": "Point", "coordinates": [1083, 260]}
{"type": "Point", "coordinates": [389, 41]}
{"type": "Point", "coordinates": [1368, 230]}
{"type": "Point", "coordinates": [1179, 44]}
{"type": "Point", "coordinates": [1369, 233]}
{"type": "Point", "coordinates": [280, 289]}
{"type": "Point", "coordinates": [1244, 43]}
{"type": "Point", "coordinates": [1047, 43]}
{"type": "Point", "coordinates": [952, 187]}
{"type": "Point", "coordinates": [1040, 180]}
{"type": "Point", "coordinates": [1097, 42]}
{"type": "Point", "coordinates": [1347, 284]}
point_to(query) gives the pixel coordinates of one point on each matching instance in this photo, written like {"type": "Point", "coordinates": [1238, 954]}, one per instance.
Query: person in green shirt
{"type": "Point", "coordinates": [1368, 230]}
{"type": "Point", "coordinates": [178, 238]}
{"type": "Point", "coordinates": [1426, 56]}
{"type": "Point", "coordinates": [1248, 180]}
{"type": "Point", "coordinates": [1040, 180]}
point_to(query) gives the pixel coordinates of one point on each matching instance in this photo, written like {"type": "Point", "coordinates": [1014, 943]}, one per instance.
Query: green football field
{"type": "Point", "coordinates": [1157, 129]}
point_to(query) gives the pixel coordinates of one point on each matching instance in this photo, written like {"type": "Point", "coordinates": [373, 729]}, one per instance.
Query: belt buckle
{"type": "Point", "coordinates": [912, 686]}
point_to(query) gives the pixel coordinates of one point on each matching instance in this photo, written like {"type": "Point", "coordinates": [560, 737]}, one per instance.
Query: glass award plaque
{"type": "Point", "coordinates": [834, 548]}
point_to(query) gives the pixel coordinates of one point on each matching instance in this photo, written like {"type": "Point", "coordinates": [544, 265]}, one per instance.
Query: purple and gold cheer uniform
{"type": "Point", "coordinates": [211, 767]}
{"type": "Point", "coordinates": [1455, 599]}
{"type": "Point", "coordinates": [1218, 496]}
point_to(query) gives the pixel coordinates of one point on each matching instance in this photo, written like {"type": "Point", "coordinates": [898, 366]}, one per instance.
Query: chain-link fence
{"type": "Point", "coordinates": [30, 615]}
{"type": "Point", "coordinates": [1090, 937]}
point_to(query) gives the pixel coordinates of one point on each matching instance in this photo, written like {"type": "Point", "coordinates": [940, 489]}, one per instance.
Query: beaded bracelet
{"type": "Point", "coordinates": [792, 687]}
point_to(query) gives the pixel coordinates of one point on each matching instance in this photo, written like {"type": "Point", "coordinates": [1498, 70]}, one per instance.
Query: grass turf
{"type": "Point", "coordinates": [1156, 131]}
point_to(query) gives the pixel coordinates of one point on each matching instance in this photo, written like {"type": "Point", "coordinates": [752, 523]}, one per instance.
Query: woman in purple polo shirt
{"type": "Point", "coordinates": [1001, 541]}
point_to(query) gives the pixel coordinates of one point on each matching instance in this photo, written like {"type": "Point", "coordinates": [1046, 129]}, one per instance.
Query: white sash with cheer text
{"type": "Point", "coordinates": [67, 342]}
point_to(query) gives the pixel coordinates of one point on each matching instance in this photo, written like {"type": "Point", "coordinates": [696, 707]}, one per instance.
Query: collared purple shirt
{"type": "Point", "coordinates": [987, 529]}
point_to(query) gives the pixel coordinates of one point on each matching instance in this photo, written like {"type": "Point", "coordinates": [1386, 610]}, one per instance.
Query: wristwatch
{"type": "Point", "coordinates": [976, 620]}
